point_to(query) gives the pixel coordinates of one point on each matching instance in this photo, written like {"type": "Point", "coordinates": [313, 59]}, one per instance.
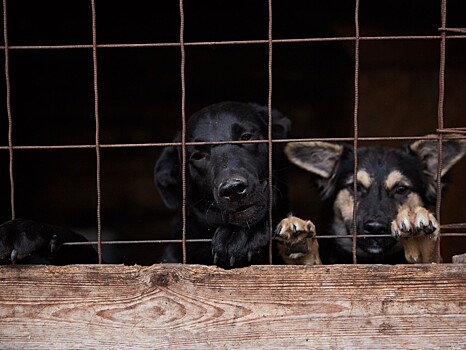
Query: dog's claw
{"type": "Point", "coordinates": [232, 261]}
{"type": "Point", "coordinates": [308, 228]}
{"type": "Point", "coordinates": [431, 227]}
{"type": "Point", "coordinates": [53, 243]}
{"type": "Point", "coordinates": [421, 225]}
{"type": "Point", "coordinates": [277, 231]}
{"type": "Point", "coordinates": [14, 255]}
{"type": "Point", "coordinates": [215, 258]}
{"type": "Point", "coordinates": [250, 256]}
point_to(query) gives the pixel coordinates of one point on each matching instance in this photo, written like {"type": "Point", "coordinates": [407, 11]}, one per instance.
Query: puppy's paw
{"type": "Point", "coordinates": [417, 229]}
{"type": "Point", "coordinates": [411, 222]}
{"type": "Point", "coordinates": [296, 241]}
{"type": "Point", "coordinates": [234, 244]}
{"type": "Point", "coordinates": [20, 238]}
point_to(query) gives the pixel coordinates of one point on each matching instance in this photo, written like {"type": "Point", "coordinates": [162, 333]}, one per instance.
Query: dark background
{"type": "Point", "coordinates": [52, 97]}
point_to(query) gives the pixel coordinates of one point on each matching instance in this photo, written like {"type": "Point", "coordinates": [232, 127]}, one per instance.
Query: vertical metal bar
{"type": "Point", "coordinates": [97, 133]}
{"type": "Point", "coordinates": [270, 144]}
{"type": "Point", "coordinates": [183, 130]}
{"type": "Point", "coordinates": [356, 129]}
{"type": "Point", "coordinates": [440, 113]}
{"type": "Point", "coordinates": [8, 108]}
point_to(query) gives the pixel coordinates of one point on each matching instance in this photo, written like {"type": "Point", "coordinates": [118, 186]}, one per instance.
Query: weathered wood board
{"type": "Point", "coordinates": [260, 307]}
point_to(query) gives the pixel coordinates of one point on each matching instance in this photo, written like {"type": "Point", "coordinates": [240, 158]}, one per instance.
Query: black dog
{"type": "Point", "coordinates": [394, 189]}
{"type": "Point", "coordinates": [228, 194]}
{"type": "Point", "coordinates": [227, 184]}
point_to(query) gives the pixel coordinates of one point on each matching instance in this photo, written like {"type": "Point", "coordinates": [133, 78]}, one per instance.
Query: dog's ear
{"type": "Point", "coordinates": [319, 158]}
{"type": "Point", "coordinates": [281, 125]}
{"type": "Point", "coordinates": [167, 176]}
{"type": "Point", "coordinates": [427, 151]}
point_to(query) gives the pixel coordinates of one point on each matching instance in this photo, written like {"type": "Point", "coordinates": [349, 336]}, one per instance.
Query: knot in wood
{"type": "Point", "coordinates": [162, 279]}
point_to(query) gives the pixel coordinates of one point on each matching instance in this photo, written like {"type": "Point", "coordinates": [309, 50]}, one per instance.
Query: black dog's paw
{"type": "Point", "coordinates": [234, 244]}
{"type": "Point", "coordinates": [21, 238]}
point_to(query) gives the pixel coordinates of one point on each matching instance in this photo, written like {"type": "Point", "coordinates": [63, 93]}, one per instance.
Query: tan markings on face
{"type": "Point", "coordinates": [364, 178]}
{"type": "Point", "coordinates": [344, 202]}
{"type": "Point", "coordinates": [394, 178]}
{"type": "Point", "coordinates": [343, 205]}
{"type": "Point", "coordinates": [412, 201]}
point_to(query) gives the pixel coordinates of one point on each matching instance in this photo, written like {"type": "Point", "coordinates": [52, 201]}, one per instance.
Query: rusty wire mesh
{"type": "Point", "coordinates": [445, 33]}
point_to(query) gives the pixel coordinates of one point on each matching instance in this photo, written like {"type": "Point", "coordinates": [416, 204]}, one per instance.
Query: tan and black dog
{"type": "Point", "coordinates": [395, 189]}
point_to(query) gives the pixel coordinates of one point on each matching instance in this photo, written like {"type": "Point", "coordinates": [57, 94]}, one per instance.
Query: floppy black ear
{"type": "Point", "coordinates": [281, 125]}
{"type": "Point", "coordinates": [427, 151]}
{"type": "Point", "coordinates": [167, 176]}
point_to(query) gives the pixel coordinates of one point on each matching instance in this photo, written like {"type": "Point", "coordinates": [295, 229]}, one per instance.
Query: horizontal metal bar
{"type": "Point", "coordinates": [144, 241]}
{"type": "Point", "coordinates": [236, 42]}
{"type": "Point", "coordinates": [452, 131]}
{"type": "Point", "coordinates": [164, 144]}
{"type": "Point", "coordinates": [179, 241]}
{"type": "Point", "coordinates": [453, 30]}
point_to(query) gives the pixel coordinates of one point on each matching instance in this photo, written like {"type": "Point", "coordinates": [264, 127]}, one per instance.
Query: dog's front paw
{"type": "Point", "coordinates": [20, 238]}
{"type": "Point", "coordinates": [412, 222]}
{"type": "Point", "coordinates": [417, 230]}
{"type": "Point", "coordinates": [233, 244]}
{"type": "Point", "coordinates": [296, 242]}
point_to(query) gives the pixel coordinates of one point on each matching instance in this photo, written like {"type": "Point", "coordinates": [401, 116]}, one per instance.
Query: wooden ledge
{"type": "Point", "coordinates": [268, 307]}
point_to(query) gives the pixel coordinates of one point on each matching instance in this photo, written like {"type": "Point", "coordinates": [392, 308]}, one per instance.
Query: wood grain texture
{"type": "Point", "coordinates": [268, 307]}
{"type": "Point", "coordinates": [459, 259]}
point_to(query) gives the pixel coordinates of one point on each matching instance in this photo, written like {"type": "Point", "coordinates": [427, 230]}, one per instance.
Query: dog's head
{"type": "Point", "coordinates": [228, 178]}
{"type": "Point", "coordinates": [386, 179]}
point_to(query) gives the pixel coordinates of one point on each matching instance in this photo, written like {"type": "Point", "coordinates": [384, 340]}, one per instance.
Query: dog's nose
{"type": "Point", "coordinates": [374, 227]}
{"type": "Point", "coordinates": [233, 189]}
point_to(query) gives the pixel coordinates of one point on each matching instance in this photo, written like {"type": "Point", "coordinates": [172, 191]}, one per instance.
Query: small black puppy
{"type": "Point", "coordinates": [395, 187]}
{"type": "Point", "coordinates": [227, 184]}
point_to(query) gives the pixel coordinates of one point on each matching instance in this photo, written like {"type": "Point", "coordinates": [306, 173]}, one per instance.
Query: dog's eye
{"type": "Point", "coordinates": [401, 189]}
{"type": "Point", "coordinates": [360, 189]}
{"type": "Point", "coordinates": [246, 136]}
{"type": "Point", "coordinates": [198, 155]}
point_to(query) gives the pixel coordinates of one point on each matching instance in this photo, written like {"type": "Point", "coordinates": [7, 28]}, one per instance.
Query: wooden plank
{"type": "Point", "coordinates": [268, 307]}
{"type": "Point", "coordinates": [459, 259]}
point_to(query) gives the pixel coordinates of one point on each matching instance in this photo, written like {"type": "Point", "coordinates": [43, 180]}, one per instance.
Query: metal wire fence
{"type": "Point", "coordinates": [445, 34]}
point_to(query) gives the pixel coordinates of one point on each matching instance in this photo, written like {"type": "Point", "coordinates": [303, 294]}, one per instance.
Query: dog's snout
{"type": "Point", "coordinates": [374, 227]}
{"type": "Point", "coordinates": [233, 189]}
